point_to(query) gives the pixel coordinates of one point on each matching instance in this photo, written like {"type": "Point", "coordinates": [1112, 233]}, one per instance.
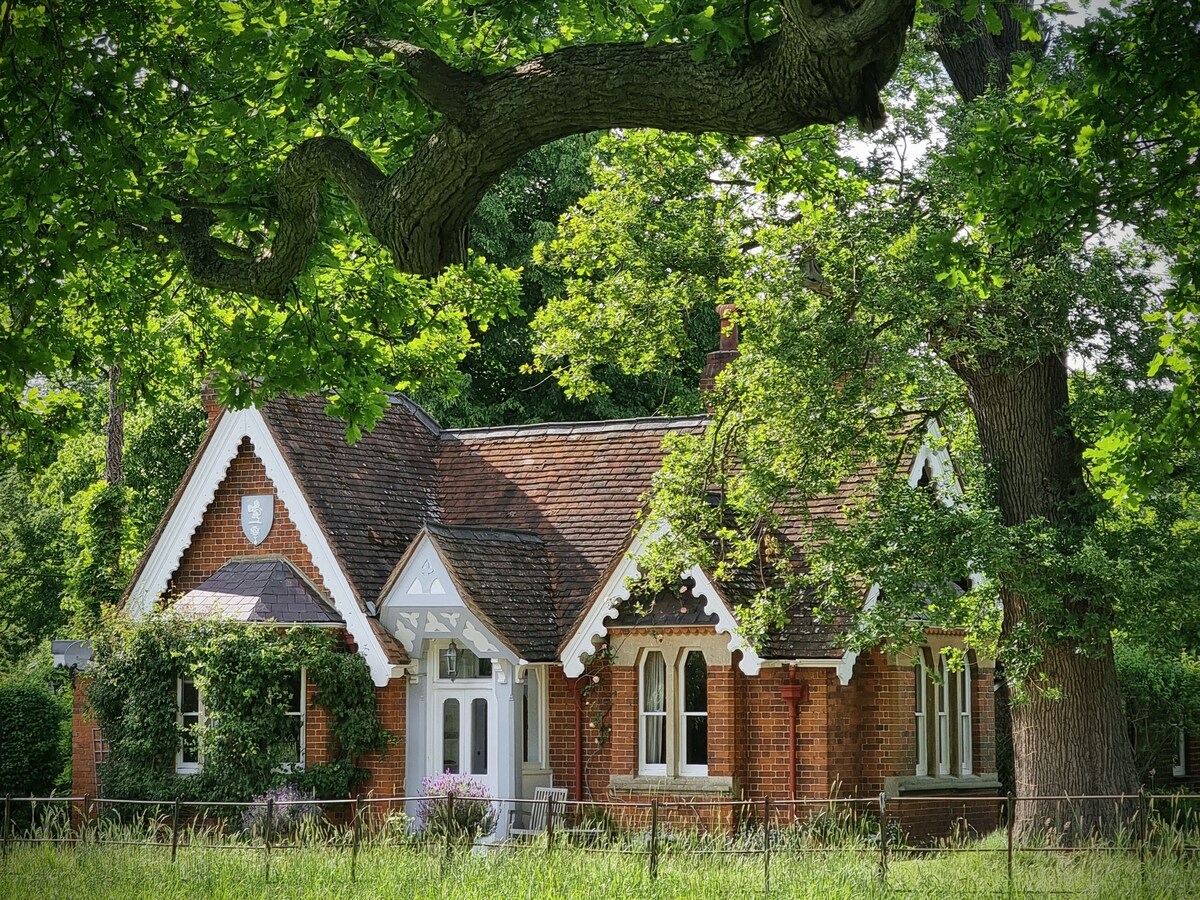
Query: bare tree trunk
{"type": "Point", "coordinates": [114, 429]}
{"type": "Point", "coordinates": [114, 458]}
{"type": "Point", "coordinates": [1072, 739]}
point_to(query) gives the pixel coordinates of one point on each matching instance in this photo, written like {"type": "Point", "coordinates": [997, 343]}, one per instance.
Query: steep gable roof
{"type": "Point", "coordinates": [532, 520]}
{"type": "Point", "coordinates": [372, 497]}
{"type": "Point", "coordinates": [577, 486]}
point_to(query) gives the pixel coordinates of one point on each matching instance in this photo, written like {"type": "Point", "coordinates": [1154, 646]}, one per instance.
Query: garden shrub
{"type": "Point", "coordinates": [34, 735]}
{"type": "Point", "coordinates": [247, 740]}
{"type": "Point", "coordinates": [471, 815]}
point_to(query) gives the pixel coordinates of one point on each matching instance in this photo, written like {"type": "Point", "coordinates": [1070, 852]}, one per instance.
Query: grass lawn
{"type": "Point", "coordinates": [130, 872]}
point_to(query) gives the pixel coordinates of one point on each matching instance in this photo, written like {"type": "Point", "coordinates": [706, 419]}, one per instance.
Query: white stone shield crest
{"type": "Point", "coordinates": [258, 512]}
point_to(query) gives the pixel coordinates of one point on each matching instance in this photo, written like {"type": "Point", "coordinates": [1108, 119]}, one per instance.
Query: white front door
{"type": "Point", "coordinates": [465, 732]}
{"type": "Point", "coordinates": [464, 727]}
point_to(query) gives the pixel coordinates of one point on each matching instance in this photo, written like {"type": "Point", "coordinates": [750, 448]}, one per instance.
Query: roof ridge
{"type": "Point", "coordinates": [600, 426]}
{"type": "Point", "coordinates": [417, 411]}
{"type": "Point", "coordinates": [487, 530]}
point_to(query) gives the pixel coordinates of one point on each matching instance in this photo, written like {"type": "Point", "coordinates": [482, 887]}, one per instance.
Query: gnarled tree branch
{"type": "Point", "coordinates": [826, 64]}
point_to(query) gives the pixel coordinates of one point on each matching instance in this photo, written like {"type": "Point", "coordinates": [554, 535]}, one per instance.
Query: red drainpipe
{"type": "Point", "coordinates": [579, 682]}
{"type": "Point", "coordinates": [794, 693]}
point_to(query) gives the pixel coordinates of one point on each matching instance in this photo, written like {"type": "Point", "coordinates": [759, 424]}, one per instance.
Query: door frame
{"type": "Point", "coordinates": [464, 690]}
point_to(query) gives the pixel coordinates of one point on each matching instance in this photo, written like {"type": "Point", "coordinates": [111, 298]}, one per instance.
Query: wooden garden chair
{"type": "Point", "coordinates": [522, 823]}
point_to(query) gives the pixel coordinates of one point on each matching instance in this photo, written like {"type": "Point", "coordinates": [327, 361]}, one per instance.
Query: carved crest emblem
{"type": "Point", "coordinates": [258, 512]}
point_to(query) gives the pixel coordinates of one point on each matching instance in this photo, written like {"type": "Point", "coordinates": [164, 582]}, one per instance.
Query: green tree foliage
{"type": "Point", "coordinates": [877, 288]}
{"type": "Point", "coordinates": [35, 720]}
{"type": "Point", "coordinates": [1108, 138]}
{"type": "Point", "coordinates": [1162, 697]}
{"type": "Point", "coordinates": [242, 675]}
{"type": "Point", "coordinates": [57, 514]}
{"type": "Point", "coordinates": [32, 568]}
{"type": "Point", "coordinates": [498, 385]}
{"type": "Point", "coordinates": [142, 139]}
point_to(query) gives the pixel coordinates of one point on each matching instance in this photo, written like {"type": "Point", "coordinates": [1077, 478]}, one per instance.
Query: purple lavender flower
{"type": "Point", "coordinates": [470, 814]}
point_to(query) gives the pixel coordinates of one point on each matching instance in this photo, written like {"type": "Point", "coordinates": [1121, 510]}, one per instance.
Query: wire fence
{"type": "Point", "coordinates": [884, 829]}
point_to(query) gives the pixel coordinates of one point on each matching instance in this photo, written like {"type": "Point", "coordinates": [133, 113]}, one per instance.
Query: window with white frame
{"type": "Point", "coordinates": [920, 697]}
{"type": "Point", "coordinates": [653, 714]}
{"type": "Point", "coordinates": [942, 695]}
{"type": "Point", "coordinates": [948, 731]}
{"type": "Point", "coordinates": [533, 718]}
{"type": "Point", "coordinates": [673, 714]}
{"type": "Point", "coordinates": [964, 718]}
{"type": "Point", "coordinates": [190, 719]}
{"type": "Point", "coordinates": [693, 727]}
{"type": "Point", "coordinates": [297, 685]}
{"type": "Point", "coordinates": [1179, 768]}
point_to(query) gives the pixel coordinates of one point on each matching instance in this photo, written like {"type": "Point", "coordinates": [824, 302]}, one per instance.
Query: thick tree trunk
{"type": "Point", "coordinates": [1071, 739]}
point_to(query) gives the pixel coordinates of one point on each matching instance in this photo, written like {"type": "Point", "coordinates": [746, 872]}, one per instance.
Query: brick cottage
{"type": "Point", "coordinates": [484, 575]}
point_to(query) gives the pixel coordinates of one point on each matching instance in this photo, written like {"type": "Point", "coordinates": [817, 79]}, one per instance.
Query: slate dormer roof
{"type": "Point", "coordinates": [259, 589]}
{"type": "Point", "coordinates": [506, 576]}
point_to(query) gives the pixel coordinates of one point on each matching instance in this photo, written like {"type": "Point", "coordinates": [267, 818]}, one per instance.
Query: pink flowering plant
{"type": "Point", "coordinates": [471, 813]}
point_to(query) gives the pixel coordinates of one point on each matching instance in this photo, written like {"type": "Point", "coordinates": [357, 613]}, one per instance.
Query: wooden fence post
{"type": "Point", "coordinates": [1011, 825]}
{"type": "Point", "coordinates": [7, 823]}
{"type": "Point", "coordinates": [354, 839]}
{"type": "Point", "coordinates": [883, 832]}
{"type": "Point", "coordinates": [267, 837]}
{"type": "Point", "coordinates": [1143, 829]}
{"type": "Point", "coordinates": [175, 831]}
{"type": "Point", "coordinates": [654, 837]}
{"type": "Point", "coordinates": [767, 844]}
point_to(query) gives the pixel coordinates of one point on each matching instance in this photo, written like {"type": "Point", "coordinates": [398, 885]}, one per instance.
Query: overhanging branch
{"type": "Point", "coordinates": [826, 64]}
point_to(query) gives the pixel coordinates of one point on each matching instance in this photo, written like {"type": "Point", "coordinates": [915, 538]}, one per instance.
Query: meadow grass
{"type": "Point", "coordinates": [122, 873]}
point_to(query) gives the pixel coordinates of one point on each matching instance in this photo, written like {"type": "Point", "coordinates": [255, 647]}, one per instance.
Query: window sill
{"type": "Point", "coordinates": [671, 784]}
{"type": "Point", "coordinates": [932, 784]}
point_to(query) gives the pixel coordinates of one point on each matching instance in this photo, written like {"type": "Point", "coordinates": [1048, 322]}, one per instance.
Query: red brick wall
{"type": "Point", "coordinates": [983, 719]}
{"type": "Point", "coordinates": [849, 738]}
{"type": "Point", "coordinates": [83, 754]}
{"type": "Point", "coordinates": [598, 757]}
{"type": "Point", "coordinates": [883, 695]}
{"type": "Point", "coordinates": [220, 537]}
{"type": "Point", "coordinates": [387, 767]}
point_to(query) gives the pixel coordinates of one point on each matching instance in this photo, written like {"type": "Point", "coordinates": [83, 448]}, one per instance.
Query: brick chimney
{"type": "Point", "coordinates": [727, 350]}
{"type": "Point", "coordinates": [212, 408]}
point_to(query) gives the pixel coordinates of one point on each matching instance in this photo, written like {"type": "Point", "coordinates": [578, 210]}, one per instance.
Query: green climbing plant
{"type": "Point", "coordinates": [246, 738]}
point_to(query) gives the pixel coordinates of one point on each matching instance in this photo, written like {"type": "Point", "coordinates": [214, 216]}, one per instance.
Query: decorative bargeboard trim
{"type": "Point", "coordinates": [220, 452]}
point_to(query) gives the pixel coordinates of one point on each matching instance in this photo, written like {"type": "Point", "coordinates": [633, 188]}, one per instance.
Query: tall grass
{"type": "Point", "coordinates": [387, 870]}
